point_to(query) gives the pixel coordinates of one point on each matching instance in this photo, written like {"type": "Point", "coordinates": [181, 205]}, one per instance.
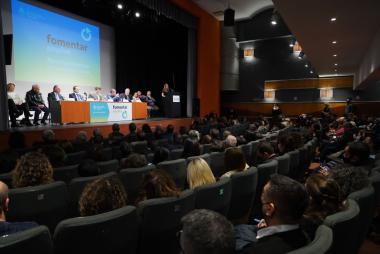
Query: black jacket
{"type": "Point", "coordinates": [34, 99]}
{"type": "Point", "coordinates": [51, 97]}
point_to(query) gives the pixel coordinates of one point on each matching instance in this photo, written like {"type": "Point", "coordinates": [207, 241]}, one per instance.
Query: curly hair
{"type": "Point", "coordinates": [102, 195]}
{"type": "Point", "coordinates": [32, 169]}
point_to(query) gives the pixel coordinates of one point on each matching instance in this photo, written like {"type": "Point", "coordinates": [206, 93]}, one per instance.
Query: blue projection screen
{"type": "Point", "coordinates": [49, 47]}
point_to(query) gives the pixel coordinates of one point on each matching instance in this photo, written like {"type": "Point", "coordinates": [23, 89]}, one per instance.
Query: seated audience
{"type": "Point", "coordinates": [115, 137]}
{"type": "Point", "coordinates": [191, 148]}
{"type": "Point", "coordinates": [135, 160]}
{"type": "Point", "coordinates": [17, 106]}
{"type": "Point", "coordinates": [101, 196]}
{"type": "Point", "coordinates": [36, 103]}
{"type": "Point", "coordinates": [147, 135]}
{"type": "Point", "coordinates": [265, 153]}
{"type": "Point", "coordinates": [32, 169]}
{"type": "Point", "coordinates": [81, 142]}
{"type": "Point", "coordinates": [206, 139]}
{"type": "Point", "coordinates": [7, 228]}
{"type": "Point", "coordinates": [357, 154]}
{"type": "Point", "coordinates": [216, 143]}
{"type": "Point", "coordinates": [96, 153]}
{"type": "Point", "coordinates": [55, 154]}
{"type": "Point", "coordinates": [161, 154]}
{"type": "Point", "coordinates": [325, 199]}
{"type": "Point", "coordinates": [132, 136]}
{"type": "Point", "coordinates": [48, 139]}
{"type": "Point", "coordinates": [285, 144]}
{"type": "Point", "coordinates": [88, 168]}
{"type": "Point", "coordinates": [234, 161]}
{"type": "Point", "coordinates": [157, 184]}
{"type": "Point", "coordinates": [199, 173]}
{"type": "Point", "coordinates": [230, 141]}
{"type": "Point", "coordinates": [206, 232]}
{"type": "Point", "coordinates": [97, 137]}
{"type": "Point", "coordinates": [125, 149]}
{"type": "Point", "coordinates": [159, 132]}
{"type": "Point", "coordinates": [67, 146]}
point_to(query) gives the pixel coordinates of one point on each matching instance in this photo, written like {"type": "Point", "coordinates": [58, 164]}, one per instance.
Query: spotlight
{"type": "Point", "coordinates": [137, 14]}
{"type": "Point", "coordinates": [336, 64]}
{"type": "Point", "coordinates": [306, 65]}
{"type": "Point", "coordinates": [335, 55]}
{"type": "Point", "coordinates": [273, 22]}
{"type": "Point", "coordinates": [334, 42]}
{"type": "Point", "coordinates": [120, 6]}
{"type": "Point", "coordinates": [311, 72]}
{"type": "Point", "coordinates": [333, 19]}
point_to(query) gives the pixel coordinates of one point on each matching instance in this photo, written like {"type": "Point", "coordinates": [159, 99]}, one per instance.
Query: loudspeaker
{"type": "Point", "coordinates": [8, 38]}
{"type": "Point", "coordinates": [229, 17]}
{"type": "Point", "coordinates": [196, 107]}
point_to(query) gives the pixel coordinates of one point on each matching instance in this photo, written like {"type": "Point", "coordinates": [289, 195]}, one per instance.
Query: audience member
{"type": "Point", "coordinates": [216, 143]}
{"type": "Point", "coordinates": [32, 169]}
{"type": "Point", "coordinates": [135, 160]}
{"type": "Point", "coordinates": [206, 232]}
{"type": "Point", "coordinates": [285, 144]}
{"type": "Point", "coordinates": [97, 137]}
{"type": "Point", "coordinates": [125, 149]}
{"type": "Point", "coordinates": [115, 137]}
{"type": "Point", "coordinates": [55, 154]}
{"type": "Point", "coordinates": [7, 228]}
{"type": "Point", "coordinates": [81, 142]}
{"type": "Point", "coordinates": [48, 139]}
{"type": "Point", "coordinates": [87, 168]}
{"type": "Point", "coordinates": [159, 132]}
{"type": "Point", "coordinates": [357, 154]}
{"type": "Point", "coordinates": [101, 196]}
{"type": "Point", "coordinates": [132, 136]}
{"type": "Point", "coordinates": [199, 173]}
{"type": "Point", "coordinates": [67, 146]}
{"type": "Point", "coordinates": [191, 148]}
{"type": "Point", "coordinates": [230, 141]}
{"type": "Point", "coordinates": [161, 154]}
{"type": "Point", "coordinates": [234, 161]}
{"type": "Point", "coordinates": [265, 153]}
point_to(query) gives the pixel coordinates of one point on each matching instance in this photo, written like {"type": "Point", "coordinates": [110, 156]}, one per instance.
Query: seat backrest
{"type": "Point", "coordinates": [253, 158]}
{"type": "Point", "coordinates": [65, 174]}
{"type": "Point", "coordinates": [34, 240]}
{"type": "Point", "coordinates": [205, 148]}
{"type": "Point", "coordinates": [283, 164]}
{"type": "Point", "coordinates": [205, 156]}
{"type": "Point", "coordinates": [160, 221]}
{"type": "Point", "coordinates": [161, 142]}
{"type": "Point", "coordinates": [215, 197]}
{"type": "Point", "coordinates": [344, 225]}
{"type": "Point", "coordinates": [244, 186]}
{"type": "Point", "coordinates": [247, 150]}
{"type": "Point", "coordinates": [132, 179]}
{"type": "Point", "coordinates": [177, 169]}
{"type": "Point", "coordinates": [75, 158]}
{"type": "Point", "coordinates": [217, 163]}
{"type": "Point", "coordinates": [365, 198]}
{"type": "Point", "coordinates": [76, 187]}
{"type": "Point", "coordinates": [140, 147]}
{"type": "Point", "coordinates": [176, 154]}
{"type": "Point", "coordinates": [375, 180]}
{"type": "Point", "coordinates": [107, 153]}
{"type": "Point", "coordinates": [303, 162]}
{"type": "Point", "coordinates": [111, 232]}
{"type": "Point", "coordinates": [321, 243]}
{"type": "Point", "coordinates": [294, 163]}
{"type": "Point", "coordinates": [108, 166]}
{"type": "Point", "coordinates": [44, 204]}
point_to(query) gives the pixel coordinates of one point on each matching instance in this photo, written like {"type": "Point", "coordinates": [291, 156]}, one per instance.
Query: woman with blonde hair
{"type": "Point", "coordinates": [199, 173]}
{"type": "Point", "coordinates": [32, 169]}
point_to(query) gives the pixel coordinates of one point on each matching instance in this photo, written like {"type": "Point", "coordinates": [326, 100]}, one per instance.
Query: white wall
{"type": "Point", "coordinates": [107, 54]}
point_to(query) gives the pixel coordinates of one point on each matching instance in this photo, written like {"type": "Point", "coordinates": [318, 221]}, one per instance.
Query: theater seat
{"type": "Point", "coordinates": [253, 158]}
{"type": "Point", "coordinates": [176, 154]}
{"type": "Point", "coordinates": [244, 186]}
{"type": "Point", "coordinates": [177, 169]}
{"type": "Point", "coordinates": [205, 156]}
{"type": "Point", "coordinates": [365, 198]}
{"type": "Point", "coordinates": [111, 232]}
{"type": "Point", "coordinates": [75, 158]}
{"type": "Point", "coordinates": [217, 163]}
{"type": "Point", "coordinates": [205, 148]}
{"type": "Point", "coordinates": [107, 153]}
{"type": "Point", "coordinates": [247, 150]}
{"type": "Point", "coordinates": [108, 166]}
{"type": "Point", "coordinates": [35, 240]}
{"type": "Point", "coordinates": [344, 225]}
{"type": "Point", "coordinates": [160, 222]}
{"type": "Point", "coordinates": [76, 187]}
{"type": "Point", "coordinates": [140, 147]}
{"type": "Point", "coordinates": [283, 164]}
{"type": "Point", "coordinates": [294, 163]}
{"type": "Point", "coordinates": [321, 243]}
{"type": "Point", "coordinates": [65, 174]}
{"type": "Point", "coordinates": [215, 197]}
{"type": "Point", "coordinates": [132, 179]}
{"type": "Point", "coordinates": [303, 162]}
{"type": "Point", "coordinates": [45, 204]}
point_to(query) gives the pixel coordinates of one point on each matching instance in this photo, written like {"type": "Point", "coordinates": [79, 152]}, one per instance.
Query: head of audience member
{"type": "Point", "coordinates": [230, 141]}
{"type": "Point", "coordinates": [55, 154]}
{"type": "Point", "coordinates": [4, 200]}
{"type": "Point", "coordinates": [97, 137]}
{"type": "Point", "coordinates": [161, 154]}
{"type": "Point", "coordinates": [113, 92]}
{"type": "Point", "coordinates": [125, 149]}
{"type": "Point", "coordinates": [356, 153]}
{"type": "Point", "coordinates": [88, 168]}
{"type": "Point", "coordinates": [284, 201]}
{"type": "Point", "coordinates": [32, 169]}
{"type": "Point", "coordinates": [98, 90]}
{"type": "Point", "coordinates": [36, 88]}
{"type": "Point", "coordinates": [158, 184]}
{"type": "Point", "coordinates": [135, 160]}
{"type": "Point", "coordinates": [146, 128]}
{"type": "Point", "coordinates": [226, 133]}
{"type": "Point", "coordinates": [170, 129]}
{"type": "Point", "coordinates": [325, 197]}
{"type": "Point", "coordinates": [101, 196]}
{"type": "Point", "coordinates": [191, 148]}
{"type": "Point", "coordinates": [265, 151]}
{"type": "Point", "coordinates": [149, 94]}
{"type": "Point", "coordinates": [116, 128]}
{"type": "Point", "coordinates": [285, 144]}
{"type": "Point", "coordinates": [350, 178]}
{"type": "Point", "coordinates": [199, 173]}
{"type": "Point", "coordinates": [127, 91]}
{"type": "Point", "coordinates": [76, 89]}
{"type": "Point", "coordinates": [206, 139]}
{"type": "Point", "coordinates": [234, 159]}
{"type": "Point", "coordinates": [206, 232]}
{"type": "Point", "coordinates": [48, 137]}
{"type": "Point", "coordinates": [215, 134]}
{"type": "Point", "coordinates": [16, 140]}
{"type": "Point", "coordinates": [11, 87]}
{"type": "Point", "coordinates": [81, 137]}
{"type": "Point", "coordinates": [159, 132]}
{"type": "Point", "coordinates": [56, 89]}
{"type": "Point", "coordinates": [132, 128]}
{"type": "Point", "coordinates": [194, 135]}
{"type": "Point", "coordinates": [67, 146]}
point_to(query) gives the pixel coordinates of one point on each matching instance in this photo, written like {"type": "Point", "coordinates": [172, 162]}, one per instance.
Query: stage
{"type": "Point", "coordinates": [70, 131]}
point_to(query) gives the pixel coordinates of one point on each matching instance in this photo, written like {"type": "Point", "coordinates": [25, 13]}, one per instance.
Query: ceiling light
{"type": "Point", "coordinates": [273, 22]}
{"type": "Point", "coordinates": [120, 6]}
{"type": "Point", "coordinates": [336, 64]}
{"type": "Point", "coordinates": [291, 44]}
{"type": "Point", "coordinates": [335, 55]}
{"type": "Point", "coordinates": [334, 42]}
{"type": "Point", "coordinates": [137, 14]}
{"type": "Point", "coordinates": [333, 19]}
{"type": "Point", "coordinates": [311, 72]}
{"type": "Point", "coordinates": [335, 70]}
{"type": "Point", "coordinates": [306, 65]}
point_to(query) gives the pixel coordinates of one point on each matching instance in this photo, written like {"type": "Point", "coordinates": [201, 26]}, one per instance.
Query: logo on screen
{"type": "Point", "coordinates": [86, 34]}
{"type": "Point", "coordinates": [124, 115]}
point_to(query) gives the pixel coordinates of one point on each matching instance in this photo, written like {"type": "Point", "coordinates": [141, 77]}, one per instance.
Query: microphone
{"type": "Point", "coordinates": [85, 95]}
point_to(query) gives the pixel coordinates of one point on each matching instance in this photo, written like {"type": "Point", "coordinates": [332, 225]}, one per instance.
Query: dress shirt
{"type": "Point", "coordinates": [268, 231]}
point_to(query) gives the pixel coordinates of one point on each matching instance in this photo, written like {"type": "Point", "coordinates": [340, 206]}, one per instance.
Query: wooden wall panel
{"type": "Point", "coordinates": [338, 82]}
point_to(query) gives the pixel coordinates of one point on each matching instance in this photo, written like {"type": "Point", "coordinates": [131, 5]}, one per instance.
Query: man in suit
{"type": "Point", "coordinates": [97, 95]}
{"type": "Point", "coordinates": [36, 103]}
{"type": "Point", "coordinates": [54, 99]}
{"type": "Point", "coordinates": [76, 95]}
{"type": "Point", "coordinates": [126, 96]}
{"type": "Point", "coordinates": [55, 96]}
{"type": "Point", "coordinates": [114, 96]}
{"type": "Point", "coordinates": [265, 153]}
{"type": "Point", "coordinates": [284, 202]}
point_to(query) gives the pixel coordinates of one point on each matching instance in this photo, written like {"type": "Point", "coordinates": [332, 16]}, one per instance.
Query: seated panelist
{"type": "Point", "coordinates": [36, 103]}
{"type": "Point", "coordinates": [76, 94]}
{"type": "Point", "coordinates": [55, 95]}
{"type": "Point", "coordinates": [126, 96]}
{"type": "Point", "coordinates": [97, 95]}
{"type": "Point", "coordinates": [114, 96]}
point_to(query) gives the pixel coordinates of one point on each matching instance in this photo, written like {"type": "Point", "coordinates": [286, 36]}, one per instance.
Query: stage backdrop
{"type": "Point", "coordinates": [51, 47]}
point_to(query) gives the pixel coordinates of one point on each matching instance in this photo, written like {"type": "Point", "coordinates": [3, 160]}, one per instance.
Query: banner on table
{"type": "Point", "coordinates": [110, 112]}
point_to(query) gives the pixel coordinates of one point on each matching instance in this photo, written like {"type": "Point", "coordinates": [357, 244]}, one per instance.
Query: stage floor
{"type": "Point", "coordinates": [70, 131]}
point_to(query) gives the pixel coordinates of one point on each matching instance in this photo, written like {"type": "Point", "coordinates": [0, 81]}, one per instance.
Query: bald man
{"type": "Point", "coordinates": [7, 228]}
{"type": "Point", "coordinates": [37, 104]}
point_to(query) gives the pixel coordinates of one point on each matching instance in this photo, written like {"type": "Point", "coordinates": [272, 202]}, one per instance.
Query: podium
{"type": "Point", "coordinates": [172, 105]}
